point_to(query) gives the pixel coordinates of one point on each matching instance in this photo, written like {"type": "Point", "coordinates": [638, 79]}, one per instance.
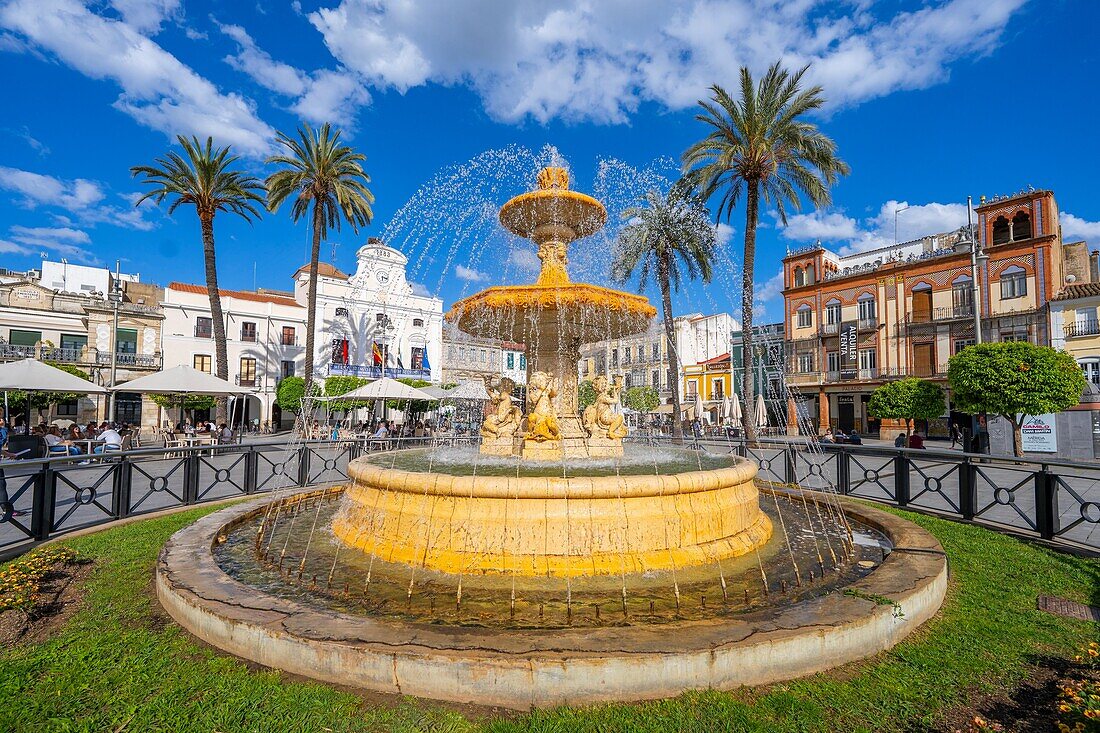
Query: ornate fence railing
{"type": "Point", "coordinates": [1054, 501]}
{"type": "Point", "coordinates": [45, 498]}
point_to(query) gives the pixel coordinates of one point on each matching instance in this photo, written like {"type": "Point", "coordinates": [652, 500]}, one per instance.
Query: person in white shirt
{"type": "Point", "coordinates": [382, 432]}
{"type": "Point", "coordinates": [225, 434]}
{"type": "Point", "coordinates": [110, 437]}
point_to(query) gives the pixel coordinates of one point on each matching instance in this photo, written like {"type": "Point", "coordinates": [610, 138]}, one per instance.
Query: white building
{"type": "Point", "coordinates": [265, 337]}
{"type": "Point", "coordinates": [79, 279]}
{"type": "Point", "coordinates": [374, 317]}
{"type": "Point", "coordinates": [642, 360]}
{"type": "Point", "coordinates": [513, 358]}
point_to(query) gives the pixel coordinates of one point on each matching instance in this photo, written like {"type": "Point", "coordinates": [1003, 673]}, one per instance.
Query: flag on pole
{"type": "Point", "coordinates": [424, 360]}
{"type": "Point", "coordinates": [377, 352]}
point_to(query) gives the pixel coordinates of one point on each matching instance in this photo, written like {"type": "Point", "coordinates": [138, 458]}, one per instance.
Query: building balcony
{"type": "Point", "coordinates": [939, 315]}
{"type": "Point", "coordinates": [797, 379]}
{"type": "Point", "coordinates": [868, 374]}
{"type": "Point", "coordinates": [830, 329]}
{"type": "Point", "coordinates": [246, 381]}
{"type": "Point", "coordinates": [376, 372]}
{"type": "Point", "coordinates": [867, 324]}
{"type": "Point", "coordinates": [79, 357]}
{"type": "Point", "coordinates": [1081, 328]}
{"type": "Point", "coordinates": [123, 359]}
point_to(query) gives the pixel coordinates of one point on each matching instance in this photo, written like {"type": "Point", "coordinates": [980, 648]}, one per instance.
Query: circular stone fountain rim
{"type": "Point", "coordinates": [364, 470]}
{"type": "Point", "coordinates": [530, 668]}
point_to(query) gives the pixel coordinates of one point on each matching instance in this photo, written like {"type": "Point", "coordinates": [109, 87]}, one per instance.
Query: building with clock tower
{"type": "Point", "coordinates": [372, 322]}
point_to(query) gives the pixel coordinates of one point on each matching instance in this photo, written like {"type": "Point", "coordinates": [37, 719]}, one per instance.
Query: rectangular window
{"type": "Point", "coordinates": [717, 389]}
{"type": "Point", "coordinates": [248, 371]}
{"type": "Point", "coordinates": [867, 309]}
{"type": "Point", "coordinates": [614, 358]}
{"type": "Point", "coordinates": [418, 357]}
{"type": "Point", "coordinates": [288, 369]}
{"type": "Point", "coordinates": [656, 378]}
{"type": "Point", "coordinates": [805, 318]}
{"type": "Point", "coordinates": [832, 361]}
{"type": "Point", "coordinates": [289, 337]}
{"type": "Point", "coordinates": [248, 331]}
{"type": "Point", "coordinates": [72, 344]}
{"type": "Point", "coordinates": [126, 341]}
{"type": "Point", "coordinates": [626, 355]}
{"type": "Point", "coordinates": [867, 359]}
{"type": "Point", "coordinates": [832, 314]}
{"type": "Point", "coordinates": [805, 363]}
{"type": "Point", "coordinates": [693, 388]}
{"type": "Point", "coordinates": [24, 338]}
{"type": "Point", "coordinates": [961, 344]}
{"type": "Point", "coordinates": [511, 361]}
{"type": "Point", "coordinates": [202, 362]}
{"type": "Point", "coordinates": [522, 362]}
{"type": "Point", "coordinates": [67, 409]}
{"type": "Point", "coordinates": [1017, 333]}
{"type": "Point", "coordinates": [1013, 285]}
{"type": "Point", "coordinates": [657, 350]}
{"type": "Point", "coordinates": [204, 327]}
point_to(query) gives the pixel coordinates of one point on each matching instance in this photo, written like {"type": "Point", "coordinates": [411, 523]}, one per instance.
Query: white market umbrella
{"type": "Point", "coordinates": [761, 412]}
{"type": "Point", "coordinates": [698, 407]}
{"type": "Point", "coordinates": [386, 388]}
{"type": "Point", "coordinates": [735, 413]}
{"type": "Point", "coordinates": [181, 379]}
{"type": "Point", "coordinates": [435, 391]}
{"type": "Point", "coordinates": [468, 391]}
{"type": "Point", "coordinates": [724, 408]}
{"type": "Point", "coordinates": [34, 376]}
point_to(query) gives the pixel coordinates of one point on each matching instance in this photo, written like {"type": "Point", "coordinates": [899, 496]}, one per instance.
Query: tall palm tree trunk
{"type": "Point", "coordinates": [748, 387]}
{"type": "Point", "coordinates": [221, 358]}
{"type": "Point", "coordinates": [671, 350]}
{"type": "Point", "coordinates": [311, 307]}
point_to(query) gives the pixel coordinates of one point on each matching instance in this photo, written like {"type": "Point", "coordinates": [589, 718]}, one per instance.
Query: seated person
{"type": "Point", "coordinates": [225, 434]}
{"type": "Point", "coordinates": [916, 440]}
{"type": "Point", "coordinates": [828, 437]}
{"type": "Point", "coordinates": [381, 432]}
{"type": "Point", "coordinates": [899, 442]}
{"type": "Point", "coordinates": [111, 438]}
{"type": "Point", "coordinates": [56, 445]}
{"type": "Point", "coordinates": [840, 437]}
{"type": "Point", "coordinates": [854, 439]}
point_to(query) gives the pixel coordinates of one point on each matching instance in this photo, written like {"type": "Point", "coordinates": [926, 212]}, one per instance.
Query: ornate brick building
{"type": "Point", "coordinates": [856, 321]}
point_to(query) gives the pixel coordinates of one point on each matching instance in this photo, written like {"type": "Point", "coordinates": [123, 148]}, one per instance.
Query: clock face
{"type": "Point", "coordinates": [383, 276]}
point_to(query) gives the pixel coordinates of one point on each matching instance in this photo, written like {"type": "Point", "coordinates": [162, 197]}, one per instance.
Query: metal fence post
{"type": "Point", "coordinates": [968, 489]}
{"type": "Point", "coordinates": [251, 470]}
{"type": "Point", "coordinates": [41, 518]}
{"type": "Point", "coordinates": [191, 478]}
{"type": "Point", "coordinates": [843, 471]}
{"type": "Point", "coordinates": [124, 476]}
{"type": "Point", "coordinates": [901, 479]}
{"type": "Point", "coordinates": [791, 468]}
{"type": "Point", "coordinates": [303, 465]}
{"type": "Point", "coordinates": [1046, 503]}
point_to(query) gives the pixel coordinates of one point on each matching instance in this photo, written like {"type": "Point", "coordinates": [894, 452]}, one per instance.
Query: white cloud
{"type": "Point", "coordinates": [64, 241]}
{"type": "Point", "coordinates": [598, 61]}
{"type": "Point", "coordinates": [772, 288]}
{"type": "Point", "coordinates": [723, 234]}
{"type": "Point", "coordinates": [524, 260]}
{"type": "Point", "coordinates": [469, 274]}
{"type": "Point", "coordinates": [324, 96]}
{"type": "Point", "coordinates": [80, 197]}
{"type": "Point", "coordinates": [157, 89]}
{"type": "Point", "coordinates": [819, 225]}
{"type": "Point", "coordinates": [1074, 227]}
{"type": "Point", "coordinates": [147, 15]}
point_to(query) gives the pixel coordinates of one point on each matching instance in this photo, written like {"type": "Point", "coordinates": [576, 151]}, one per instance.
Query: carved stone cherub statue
{"type": "Point", "coordinates": [542, 423]}
{"type": "Point", "coordinates": [601, 418]}
{"type": "Point", "coordinates": [504, 418]}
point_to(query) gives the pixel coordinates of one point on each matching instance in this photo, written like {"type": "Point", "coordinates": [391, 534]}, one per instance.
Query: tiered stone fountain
{"type": "Point", "coordinates": [480, 576]}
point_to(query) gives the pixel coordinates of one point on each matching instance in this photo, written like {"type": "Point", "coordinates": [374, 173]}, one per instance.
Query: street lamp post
{"type": "Point", "coordinates": [116, 299]}
{"type": "Point", "coordinates": [976, 254]}
{"type": "Point", "coordinates": [896, 212]}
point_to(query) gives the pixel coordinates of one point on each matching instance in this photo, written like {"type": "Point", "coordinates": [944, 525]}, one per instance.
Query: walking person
{"type": "Point", "coordinates": [956, 436]}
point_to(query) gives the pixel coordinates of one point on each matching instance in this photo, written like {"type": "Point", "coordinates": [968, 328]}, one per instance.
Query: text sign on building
{"type": "Point", "coordinates": [1039, 434]}
{"type": "Point", "coordinates": [849, 354]}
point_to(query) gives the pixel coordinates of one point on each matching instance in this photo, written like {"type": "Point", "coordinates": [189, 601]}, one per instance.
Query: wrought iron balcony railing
{"type": "Point", "coordinates": [1081, 328]}
{"type": "Point", "coordinates": [376, 372]}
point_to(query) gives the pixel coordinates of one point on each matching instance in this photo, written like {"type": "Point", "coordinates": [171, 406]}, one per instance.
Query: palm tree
{"type": "Point", "coordinates": [320, 171]}
{"type": "Point", "coordinates": [761, 146]}
{"type": "Point", "coordinates": [669, 237]}
{"type": "Point", "coordinates": [203, 178]}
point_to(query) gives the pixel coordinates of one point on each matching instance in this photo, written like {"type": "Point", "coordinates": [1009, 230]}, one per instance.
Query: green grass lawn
{"type": "Point", "coordinates": [118, 666]}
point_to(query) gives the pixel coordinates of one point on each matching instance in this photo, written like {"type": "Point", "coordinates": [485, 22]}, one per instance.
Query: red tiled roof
{"type": "Point", "coordinates": [717, 359]}
{"type": "Point", "coordinates": [1078, 290]}
{"type": "Point", "coordinates": [324, 269]}
{"type": "Point", "coordinates": [239, 294]}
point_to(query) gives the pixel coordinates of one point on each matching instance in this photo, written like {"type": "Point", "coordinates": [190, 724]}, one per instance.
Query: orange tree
{"type": "Point", "coordinates": [907, 399]}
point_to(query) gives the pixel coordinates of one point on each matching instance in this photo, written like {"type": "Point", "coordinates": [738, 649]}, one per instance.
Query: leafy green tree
{"type": "Point", "coordinates": [290, 393]}
{"type": "Point", "coordinates": [642, 399]}
{"type": "Point", "coordinates": [321, 172]}
{"type": "Point", "coordinates": [669, 238]}
{"type": "Point", "coordinates": [762, 147]}
{"type": "Point", "coordinates": [336, 386]}
{"type": "Point", "coordinates": [187, 402]}
{"type": "Point", "coordinates": [1014, 380]}
{"type": "Point", "coordinates": [204, 179]}
{"type": "Point", "coordinates": [907, 399]}
{"type": "Point", "coordinates": [586, 394]}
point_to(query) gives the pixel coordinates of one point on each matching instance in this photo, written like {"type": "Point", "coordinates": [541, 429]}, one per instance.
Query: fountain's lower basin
{"type": "Point", "coordinates": [552, 525]}
{"type": "Point", "coordinates": [522, 668]}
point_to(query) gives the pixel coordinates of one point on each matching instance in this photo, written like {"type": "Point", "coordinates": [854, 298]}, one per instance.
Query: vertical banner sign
{"type": "Point", "coordinates": [849, 354]}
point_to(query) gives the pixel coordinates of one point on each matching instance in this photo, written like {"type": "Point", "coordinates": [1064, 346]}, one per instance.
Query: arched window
{"type": "Point", "coordinates": [805, 316]}
{"type": "Point", "coordinates": [867, 311]}
{"type": "Point", "coordinates": [962, 295]}
{"type": "Point", "coordinates": [1021, 226]}
{"type": "Point", "coordinates": [418, 323]}
{"type": "Point", "coordinates": [832, 312]}
{"type": "Point", "coordinates": [1002, 232]}
{"type": "Point", "coordinates": [810, 279]}
{"type": "Point", "coordinates": [1091, 368]}
{"type": "Point", "coordinates": [922, 303]}
{"type": "Point", "coordinates": [1013, 282]}
{"type": "Point", "coordinates": [799, 277]}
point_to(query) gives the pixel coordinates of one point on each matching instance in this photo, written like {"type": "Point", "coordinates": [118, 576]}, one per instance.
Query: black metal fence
{"type": "Point", "coordinates": [1053, 501]}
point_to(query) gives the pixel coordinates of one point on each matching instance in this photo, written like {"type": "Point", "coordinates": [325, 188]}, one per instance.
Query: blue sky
{"type": "Point", "coordinates": [929, 102]}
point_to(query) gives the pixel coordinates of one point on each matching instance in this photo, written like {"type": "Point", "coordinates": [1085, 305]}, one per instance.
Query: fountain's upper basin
{"type": "Point", "coordinates": [532, 313]}
{"type": "Point", "coordinates": [581, 525]}
{"type": "Point", "coordinates": [526, 214]}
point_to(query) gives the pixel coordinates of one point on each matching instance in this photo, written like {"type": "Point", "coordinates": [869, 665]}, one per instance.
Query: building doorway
{"type": "Point", "coordinates": [922, 304]}
{"type": "Point", "coordinates": [923, 359]}
{"type": "Point", "coordinates": [846, 413]}
{"type": "Point", "coordinates": [128, 408]}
